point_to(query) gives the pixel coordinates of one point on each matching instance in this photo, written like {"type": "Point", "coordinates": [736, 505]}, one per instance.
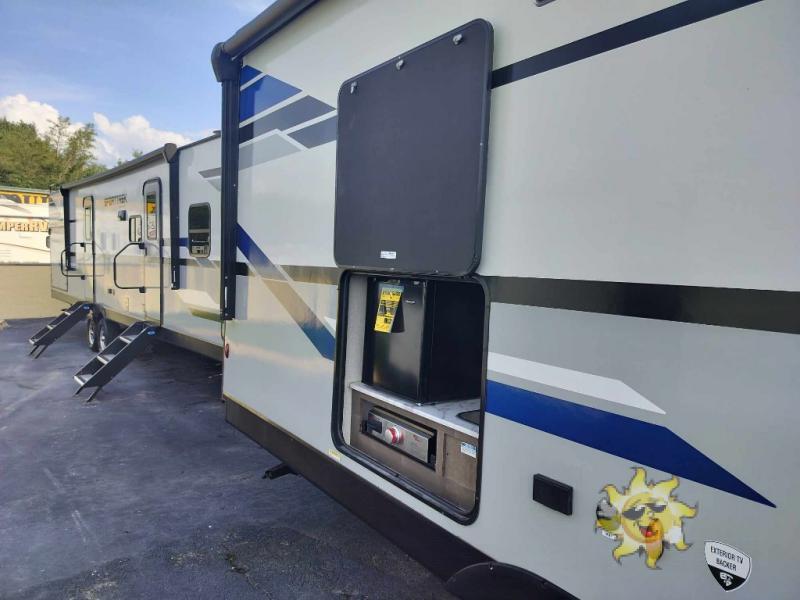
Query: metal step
{"type": "Point", "coordinates": [116, 356]}
{"type": "Point", "coordinates": [59, 326]}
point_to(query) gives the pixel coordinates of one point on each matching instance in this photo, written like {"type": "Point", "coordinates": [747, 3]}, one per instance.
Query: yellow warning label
{"type": "Point", "coordinates": [387, 307]}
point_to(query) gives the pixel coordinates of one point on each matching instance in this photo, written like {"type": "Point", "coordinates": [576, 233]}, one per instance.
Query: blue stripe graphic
{"type": "Point", "coordinates": [257, 258]}
{"type": "Point", "coordinates": [637, 441]}
{"type": "Point", "coordinates": [247, 73]}
{"type": "Point", "coordinates": [264, 93]}
{"type": "Point", "coordinates": [305, 318]}
{"type": "Point", "coordinates": [183, 242]}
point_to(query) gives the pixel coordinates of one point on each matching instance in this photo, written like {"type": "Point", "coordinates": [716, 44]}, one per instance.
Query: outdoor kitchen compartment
{"type": "Point", "coordinates": [405, 436]}
{"type": "Point", "coordinates": [433, 349]}
{"type": "Point", "coordinates": [426, 444]}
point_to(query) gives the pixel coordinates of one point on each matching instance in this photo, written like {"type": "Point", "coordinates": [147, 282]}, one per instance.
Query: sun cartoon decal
{"type": "Point", "coordinates": [645, 518]}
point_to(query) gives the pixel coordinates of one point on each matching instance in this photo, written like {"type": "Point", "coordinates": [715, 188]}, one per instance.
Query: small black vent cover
{"type": "Point", "coordinates": [411, 158]}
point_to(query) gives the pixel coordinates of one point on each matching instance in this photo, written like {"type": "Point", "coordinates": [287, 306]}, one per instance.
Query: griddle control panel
{"type": "Point", "coordinates": [401, 434]}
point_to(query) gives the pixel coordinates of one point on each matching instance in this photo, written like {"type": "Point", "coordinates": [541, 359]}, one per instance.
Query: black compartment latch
{"type": "Point", "coordinates": [553, 494]}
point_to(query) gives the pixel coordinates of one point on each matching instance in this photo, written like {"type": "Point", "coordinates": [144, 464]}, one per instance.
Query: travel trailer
{"type": "Point", "coordinates": [135, 253]}
{"type": "Point", "coordinates": [517, 282]}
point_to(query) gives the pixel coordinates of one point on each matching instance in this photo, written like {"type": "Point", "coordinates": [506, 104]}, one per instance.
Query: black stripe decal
{"type": "Point", "coordinates": [763, 310]}
{"type": "Point", "coordinates": [662, 21]}
{"type": "Point", "coordinates": [766, 310]}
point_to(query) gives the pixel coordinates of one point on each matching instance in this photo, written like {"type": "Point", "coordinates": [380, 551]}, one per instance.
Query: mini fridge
{"type": "Point", "coordinates": [432, 350]}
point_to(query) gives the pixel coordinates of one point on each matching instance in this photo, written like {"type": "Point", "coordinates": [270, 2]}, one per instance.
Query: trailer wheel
{"type": "Point", "coordinates": [500, 580]}
{"type": "Point", "coordinates": [91, 333]}
{"type": "Point", "coordinates": [106, 332]}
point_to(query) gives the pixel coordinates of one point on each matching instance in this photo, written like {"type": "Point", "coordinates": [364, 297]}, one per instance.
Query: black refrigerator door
{"type": "Point", "coordinates": [392, 360]}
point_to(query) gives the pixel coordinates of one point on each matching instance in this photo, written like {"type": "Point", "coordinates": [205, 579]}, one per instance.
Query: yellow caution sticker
{"type": "Point", "coordinates": [387, 307]}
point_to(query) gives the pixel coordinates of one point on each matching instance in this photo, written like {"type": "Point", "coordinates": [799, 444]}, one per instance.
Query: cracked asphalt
{"type": "Point", "coordinates": [148, 493]}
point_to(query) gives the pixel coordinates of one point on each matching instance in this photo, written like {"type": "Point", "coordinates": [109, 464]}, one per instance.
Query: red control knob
{"type": "Point", "coordinates": [392, 435]}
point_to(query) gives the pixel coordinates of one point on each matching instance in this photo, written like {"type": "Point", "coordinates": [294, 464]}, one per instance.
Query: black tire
{"type": "Point", "coordinates": [102, 336]}
{"type": "Point", "coordinates": [91, 334]}
{"type": "Point", "coordinates": [106, 332]}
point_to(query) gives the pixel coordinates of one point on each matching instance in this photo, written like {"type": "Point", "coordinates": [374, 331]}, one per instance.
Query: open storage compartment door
{"type": "Point", "coordinates": [411, 347]}
{"type": "Point", "coordinates": [411, 158]}
{"type": "Point", "coordinates": [411, 385]}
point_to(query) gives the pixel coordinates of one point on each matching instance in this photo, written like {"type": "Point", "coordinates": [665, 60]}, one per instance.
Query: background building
{"type": "Point", "coordinates": [23, 226]}
{"type": "Point", "coordinates": [24, 256]}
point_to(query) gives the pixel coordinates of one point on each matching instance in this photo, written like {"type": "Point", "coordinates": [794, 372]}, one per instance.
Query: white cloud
{"type": "Point", "coordinates": [20, 108]}
{"type": "Point", "coordinates": [118, 139]}
{"type": "Point", "coordinates": [115, 139]}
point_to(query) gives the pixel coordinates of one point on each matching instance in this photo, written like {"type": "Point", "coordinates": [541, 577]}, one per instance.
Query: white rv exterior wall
{"type": "Point", "coordinates": [646, 147]}
{"type": "Point", "coordinates": [666, 161]}
{"type": "Point", "coordinates": [193, 309]}
{"type": "Point", "coordinates": [111, 234]}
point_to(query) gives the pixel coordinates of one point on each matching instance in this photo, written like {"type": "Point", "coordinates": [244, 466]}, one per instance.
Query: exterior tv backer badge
{"type": "Point", "coordinates": [729, 566]}
{"type": "Point", "coordinates": [389, 300]}
{"type": "Point", "coordinates": [644, 518]}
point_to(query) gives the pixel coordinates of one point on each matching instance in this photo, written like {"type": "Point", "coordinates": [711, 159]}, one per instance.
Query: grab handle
{"type": "Point", "coordinates": [141, 246]}
{"type": "Point", "coordinates": [65, 271]}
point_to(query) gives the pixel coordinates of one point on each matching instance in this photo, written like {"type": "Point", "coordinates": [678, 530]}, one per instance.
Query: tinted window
{"type": "Point", "coordinates": [200, 230]}
{"type": "Point", "coordinates": [151, 216]}
{"type": "Point", "coordinates": [88, 225]}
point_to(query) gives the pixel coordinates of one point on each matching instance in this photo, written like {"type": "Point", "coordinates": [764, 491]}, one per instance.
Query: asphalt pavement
{"type": "Point", "coordinates": [147, 492]}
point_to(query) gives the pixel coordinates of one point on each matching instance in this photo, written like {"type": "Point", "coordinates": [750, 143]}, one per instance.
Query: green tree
{"type": "Point", "coordinates": [73, 150]}
{"type": "Point", "coordinates": [26, 160]}
{"type": "Point", "coordinates": [64, 154]}
{"type": "Point", "coordinates": [134, 155]}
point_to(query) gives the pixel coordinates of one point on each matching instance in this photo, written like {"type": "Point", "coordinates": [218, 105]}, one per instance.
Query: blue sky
{"type": "Point", "coordinates": [118, 59]}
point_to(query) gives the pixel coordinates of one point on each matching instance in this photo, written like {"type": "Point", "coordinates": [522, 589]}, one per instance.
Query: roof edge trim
{"type": "Point", "coordinates": [267, 23]}
{"type": "Point", "coordinates": [167, 153]}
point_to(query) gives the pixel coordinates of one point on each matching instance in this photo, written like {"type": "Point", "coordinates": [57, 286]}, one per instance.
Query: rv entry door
{"type": "Point", "coordinates": [57, 241]}
{"type": "Point", "coordinates": [153, 245]}
{"type": "Point", "coordinates": [86, 252]}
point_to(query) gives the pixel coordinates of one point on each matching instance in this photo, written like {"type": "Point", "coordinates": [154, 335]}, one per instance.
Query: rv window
{"type": "Point", "coordinates": [88, 218]}
{"type": "Point", "coordinates": [200, 230]}
{"type": "Point", "coordinates": [87, 224]}
{"type": "Point", "coordinates": [135, 228]}
{"type": "Point", "coordinates": [151, 217]}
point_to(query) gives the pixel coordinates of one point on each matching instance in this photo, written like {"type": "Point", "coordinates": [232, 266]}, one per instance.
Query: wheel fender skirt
{"type": "Point", "coordinates": [491, 580]}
